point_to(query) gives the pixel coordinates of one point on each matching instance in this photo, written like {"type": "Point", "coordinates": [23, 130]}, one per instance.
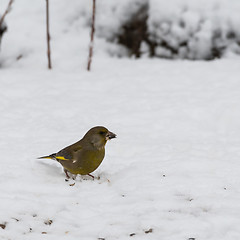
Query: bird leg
{"type": "Point", "coordinates": [91, 175]}
{"type": "Point", "coordinates": [66, 172]}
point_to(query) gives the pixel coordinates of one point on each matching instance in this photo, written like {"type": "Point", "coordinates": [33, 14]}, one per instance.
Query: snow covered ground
{"type": "Point", "coordinates": [173, 171]}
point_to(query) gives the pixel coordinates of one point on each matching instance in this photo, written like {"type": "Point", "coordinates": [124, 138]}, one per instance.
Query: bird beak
{"type": "Point", "coordinates": [110, 135]}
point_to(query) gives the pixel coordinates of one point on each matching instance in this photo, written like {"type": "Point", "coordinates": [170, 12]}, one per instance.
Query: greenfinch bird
{"type": "Point", "coordinates": [84, 156]}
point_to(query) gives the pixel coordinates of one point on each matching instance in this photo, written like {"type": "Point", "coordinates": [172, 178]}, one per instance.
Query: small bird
{"type": "Point", "coordinates": [84, 156]}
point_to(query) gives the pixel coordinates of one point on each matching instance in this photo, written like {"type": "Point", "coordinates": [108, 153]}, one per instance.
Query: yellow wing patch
{"type": "Point", "coordinates": [62, 158]}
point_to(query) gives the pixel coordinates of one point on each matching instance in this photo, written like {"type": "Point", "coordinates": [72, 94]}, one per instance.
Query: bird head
{"type": "Point", "coordinates": [98, 136]}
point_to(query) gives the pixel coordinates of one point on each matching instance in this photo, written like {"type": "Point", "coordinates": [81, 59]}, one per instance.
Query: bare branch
{"type": "Point", "coordinates": [92, 36]}
{"type": "Point", "coordinates": [48, 36]}
{"type": "Point", "coordinates": [6, 12]}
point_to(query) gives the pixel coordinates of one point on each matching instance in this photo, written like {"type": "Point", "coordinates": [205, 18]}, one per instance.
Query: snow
{"type": "Point", "coordinates": [197, 24]}
{"type": "Point", "coordinates": [194, 29]}
{"type": "Point", "coordinates": [174, 167]}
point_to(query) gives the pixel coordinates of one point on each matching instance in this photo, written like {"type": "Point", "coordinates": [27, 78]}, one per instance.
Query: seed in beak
{"type": "Point", "coordinates": [110, 135]}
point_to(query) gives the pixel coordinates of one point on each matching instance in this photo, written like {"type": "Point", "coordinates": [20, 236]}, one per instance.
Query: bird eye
{"type": "Point", "coordinates": [102, 132]}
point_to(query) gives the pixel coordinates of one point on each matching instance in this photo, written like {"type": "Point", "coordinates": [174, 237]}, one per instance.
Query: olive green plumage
{"type": "Point", "coordinates": [84, 156]}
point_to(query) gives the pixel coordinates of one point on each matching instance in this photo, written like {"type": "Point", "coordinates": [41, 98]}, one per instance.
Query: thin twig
{"type": "Point", "coordinates": [6, 12]}
{"type": "Point", "coordinates": [92, 36]}
{"type": "Point", "coordinates": [48, 36]}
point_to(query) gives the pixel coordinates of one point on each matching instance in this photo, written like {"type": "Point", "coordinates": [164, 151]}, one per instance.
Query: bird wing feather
{"type": "Point", "coordinates": [69, 153]}
{"type": "Point", "coordinates": [62, 158]}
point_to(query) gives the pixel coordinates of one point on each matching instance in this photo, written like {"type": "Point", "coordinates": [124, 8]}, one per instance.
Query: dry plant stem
{"type": "Point", "coordinates": [6, 12]}
{"type": "Point", "coordinates": [92, 36]}
{"type": "Point", "coordinates": [48, 36]}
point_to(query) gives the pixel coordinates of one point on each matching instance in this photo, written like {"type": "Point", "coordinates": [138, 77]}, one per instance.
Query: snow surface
{"type": "Point", "coordinates": [174, 167]}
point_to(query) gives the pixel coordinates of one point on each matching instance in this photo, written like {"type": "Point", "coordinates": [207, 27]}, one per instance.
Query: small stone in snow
{"type": "Point", "coordinates": [3, 226]}
{"type": "Point", "coordinates": [150, 230]}
{"type": "Point", "coordinates": [48, 222]}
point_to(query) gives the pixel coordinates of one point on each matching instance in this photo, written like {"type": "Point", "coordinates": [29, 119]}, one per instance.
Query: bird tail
{"type": "Point", "coordinates": [52, 156]}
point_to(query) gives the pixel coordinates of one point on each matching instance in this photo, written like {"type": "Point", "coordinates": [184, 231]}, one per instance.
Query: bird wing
{"type": "Point", "coordinates": [62, 158]}
{"type": "Point", "coordinates": [54, 157]}
{"type": "Point", "coordinates": [76, 148]}
{"type": "Point", "coordinates": [68, 153]}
